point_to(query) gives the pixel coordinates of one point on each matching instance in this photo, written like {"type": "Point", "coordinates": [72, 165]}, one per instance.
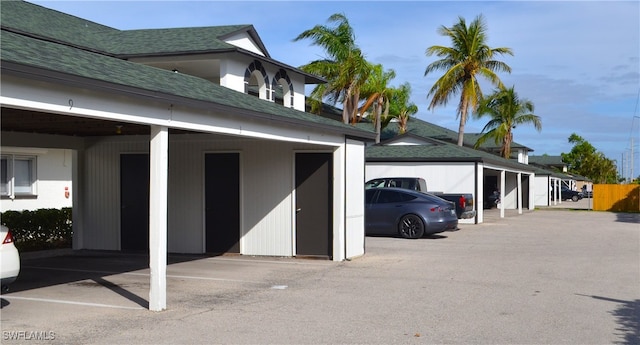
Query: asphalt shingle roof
{"type": "Point", "coordinates": [437, 151]}
{"type": "Point", "coordinates": [429, 130]}
{"type": "Point", "coordinates": [42, 22]}
{"type": "Point", "coordinates": [77, 47]}
{"type": "Point", "coordinates": [547, 160]}
{"type": "Point", "coordinates": [174, 41]}
{"type": "Point", "coordinates": [49, 24]}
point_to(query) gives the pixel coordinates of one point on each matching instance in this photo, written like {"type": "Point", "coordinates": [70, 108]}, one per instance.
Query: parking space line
{"type": "Point", "coordinates": [215, 279]}
{"type": "Point", "coordinates": [10, 297]}
{"type": "Point", "coordinates": [145, 274]}
{"type": "Point", "coordinates": [304, 262]}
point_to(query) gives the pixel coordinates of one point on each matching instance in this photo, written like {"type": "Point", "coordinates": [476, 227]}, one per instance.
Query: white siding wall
{"type": "Point", "coordinates": [232, 74]}
{"type": "Point", "coordinates": [354, 180]}
{"type": "Point", "coordinates": [511, 191]}
{"type": "Point", "coordinates": [53, 169]}
{"type": "Point", "coordinates": [298, 91]}
{"type": "Point", "coordinates": [243, 40]}
{"type": "Point", "coordinates": [266, 187]}
{"type": "Point", "coordinates": [542, 190]}
{"type": "Point", "coordinates": [101, 191]}
{"type": "Point", "coordinates": [440, 177]}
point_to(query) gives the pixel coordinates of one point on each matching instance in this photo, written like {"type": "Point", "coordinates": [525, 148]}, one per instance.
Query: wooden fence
{"type": "Point", "coordinates": [616, 197]}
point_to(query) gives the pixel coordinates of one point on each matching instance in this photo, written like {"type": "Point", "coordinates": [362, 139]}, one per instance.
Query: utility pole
{"type": "Point", "coordinates": [623, 167]}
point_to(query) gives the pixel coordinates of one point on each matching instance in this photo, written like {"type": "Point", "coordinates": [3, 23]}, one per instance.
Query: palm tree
{"type": "Point", "coordinates": [507, 111]}
{"type": "Point", "coordinates": [344, 67]}
{"type": "Point", "coordinates": [468, 57]}
{"type": "Point", "coordinates": [377, 94]}
{"type": "Point", "coordinates": [401, 108]}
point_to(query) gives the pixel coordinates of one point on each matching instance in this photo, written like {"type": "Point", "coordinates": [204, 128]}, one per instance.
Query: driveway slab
{"type": "Point", "coordinates": [547, 276]}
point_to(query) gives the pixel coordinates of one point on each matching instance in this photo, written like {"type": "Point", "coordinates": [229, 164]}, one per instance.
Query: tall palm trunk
{"type": "Point", "coordinates": [378, 110]}
{"type": "Point", "coordinates": [505, 151]}
{"type": "Point", "coordinates": [463, 119]}
{"type": "Point", "coordinates": [350, 104]}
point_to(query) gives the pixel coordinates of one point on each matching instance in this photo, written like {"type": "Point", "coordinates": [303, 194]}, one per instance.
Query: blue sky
{"type": "Point", "coordinates": [577, 61]}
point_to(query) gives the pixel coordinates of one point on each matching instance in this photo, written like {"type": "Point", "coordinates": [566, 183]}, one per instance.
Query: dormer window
{"type": "Point", "coordinates": [283, 89]}
{"type": "Point", "coordinates": [256, 81]}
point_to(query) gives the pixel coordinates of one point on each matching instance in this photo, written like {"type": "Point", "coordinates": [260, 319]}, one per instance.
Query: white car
{"type": "Point", "coordinates": [9, 259]}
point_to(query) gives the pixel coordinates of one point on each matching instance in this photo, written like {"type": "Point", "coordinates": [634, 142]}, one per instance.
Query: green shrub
{"type": "Point", "coordinates": [46, 228]}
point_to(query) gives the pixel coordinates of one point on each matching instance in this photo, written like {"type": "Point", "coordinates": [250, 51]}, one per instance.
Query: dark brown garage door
{"type": "Point", "coordinates": [314, 204]}
{"type": "Point", "coordinates": [134, 202]}
{"type": "Point", "coordinates": [222, 202]}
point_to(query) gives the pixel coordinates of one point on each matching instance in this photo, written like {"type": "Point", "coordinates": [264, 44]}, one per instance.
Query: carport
{"type": "Point", "coordinates": [514, 181]}
{"type": "Point", "coordinates": [105, 121]}
{"type": "Point", "coordinates": [449, 168]}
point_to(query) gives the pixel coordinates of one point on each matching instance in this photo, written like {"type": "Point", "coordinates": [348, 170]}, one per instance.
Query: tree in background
{"type": "Point", "coordinates": [585, 160]}
{"type": "Point", "coordinates": [468, 57]}
{"type": "Point", "coordinates": [377, 92]}
{"type": "Point", "coordinates": [401, 107]}
{"type": "Point", "coordinates": [507, 111]}
{"type": "Point", "coordinates": [344, 68]}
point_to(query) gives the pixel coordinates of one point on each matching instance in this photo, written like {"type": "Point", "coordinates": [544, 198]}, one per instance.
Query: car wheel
{"type": "Point", "coordinates": [411, 226]}
{"type": "Point", "coordinates": [574, 198]}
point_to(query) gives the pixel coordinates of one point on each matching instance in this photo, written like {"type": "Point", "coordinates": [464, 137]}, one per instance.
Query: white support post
{"type": "Point", "coordinates": [502, 186]}
{"type": "Point", "coordinates": [159, 163]}
{"type": "Point", "coordinates": [520, 193]}
{"type": "Point", "coordinates": [339, 200]}
{"type": "Point", "coordinates": [532, 188]}
{"type": "Point", "coordinates": [77, 198]}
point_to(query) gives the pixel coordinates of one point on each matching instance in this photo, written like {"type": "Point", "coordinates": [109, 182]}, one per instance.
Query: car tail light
{"type": "Point", "coordinates": [8, 239]}
{"type": "Point", "coordinates": [437, 209]}
{"type": "Point", "coordinates": [463, 202]}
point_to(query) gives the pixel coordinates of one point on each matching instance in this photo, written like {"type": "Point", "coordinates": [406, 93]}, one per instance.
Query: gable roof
{"type": "Point", "coordinates": [46, 24]}
{"type": "Point", "coordinates": [178, 41]}
{"type": "Point", "coordinates": [437, 151]}
{"type": "Point", "coordinates": [546, 160]}
{"type": "Point", "coordinates": [68, 60]}
{"type": "Point", "coordinates": [425, 129]}
{"type": "Point", "coordinates": [50, 25]}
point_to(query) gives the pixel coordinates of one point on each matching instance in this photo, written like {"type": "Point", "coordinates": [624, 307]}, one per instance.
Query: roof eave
{"type": "Point", "coordinates": [40, 74]}
{"type": "Point", "coordinates": [308, 77]}
{"type": "Point", "coordinates": [423, 159]}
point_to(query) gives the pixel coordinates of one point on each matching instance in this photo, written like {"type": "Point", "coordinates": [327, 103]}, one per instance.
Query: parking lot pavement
{"type": "Point", "coordinates": [582, 204]}
{"type": "Point", "coordinates": [560, 277]}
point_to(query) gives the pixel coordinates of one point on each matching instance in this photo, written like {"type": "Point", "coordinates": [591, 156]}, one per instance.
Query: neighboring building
{"type": "Point", "coordinates": [426, 150]}
{"type": "Point", "coordinates": [557, 168]}
{"type": "Point", "coordinates": [549, 162]}
{"type": "Point", "coordinates": [519, 152]}
{"type": "Point", "coordinates": [189, 140]}
{"type": "Point", "coordinates": [547, 181]}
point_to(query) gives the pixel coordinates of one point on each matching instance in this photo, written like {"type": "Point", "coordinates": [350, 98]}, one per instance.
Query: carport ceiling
{"type": "Point", "coordinates": [18, 120]}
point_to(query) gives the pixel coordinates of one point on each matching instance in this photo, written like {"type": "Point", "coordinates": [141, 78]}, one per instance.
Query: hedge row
{"type": "Point", "coordinates": [46, 228]}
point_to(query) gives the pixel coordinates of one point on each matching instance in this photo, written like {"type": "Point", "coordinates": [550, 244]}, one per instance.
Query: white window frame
{"type": "Point", "coordinates": [12, 187]}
